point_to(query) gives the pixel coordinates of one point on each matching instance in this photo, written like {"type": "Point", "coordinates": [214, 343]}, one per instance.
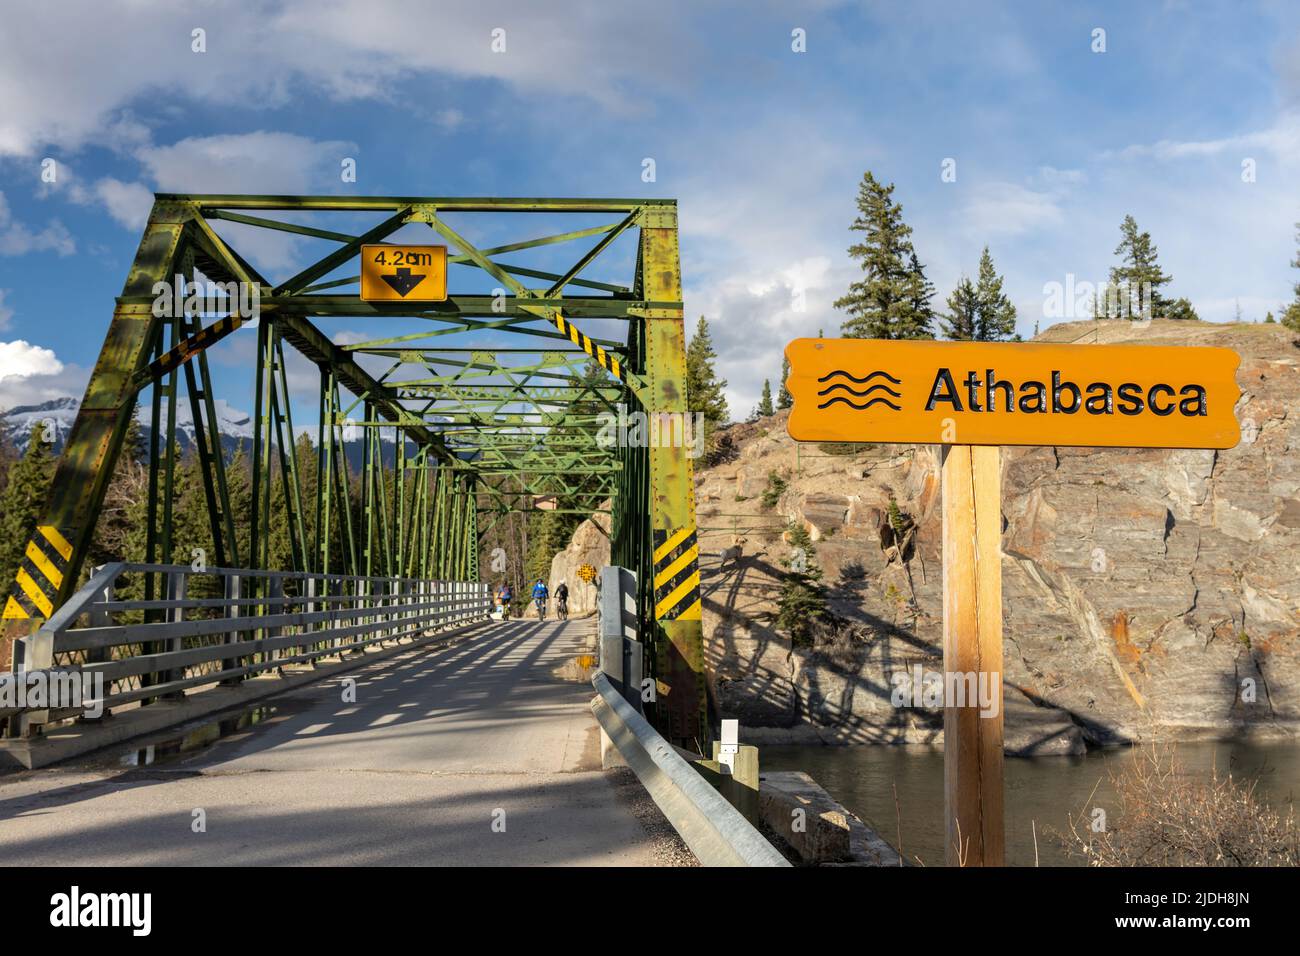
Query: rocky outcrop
{"type": "Point", "coordinates": [1147, 593]}
{"type": "Point", "coordinates": [589, 545]}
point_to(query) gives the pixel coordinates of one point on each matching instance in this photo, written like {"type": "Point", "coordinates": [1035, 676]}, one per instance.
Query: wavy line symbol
{"type": "Point", "coordinates": [856, 393]}
{"type": "Point", "coordinates": [864, 405]}
{"type": "Point", "coordinates": [861, 381]}
{"type": "Point", "coordinates": [879, 386]}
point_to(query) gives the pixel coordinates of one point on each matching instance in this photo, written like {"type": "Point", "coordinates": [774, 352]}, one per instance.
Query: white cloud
{"type": "Point", "coordinates": [348, 337]}
{"type": "Point", "coordinates": [1007, 209]}
{"type": "Point", "coordinates": [17, 239]}
{"type": "Point", "coordinates": [1281, 140]}
{"type": "Point", "coordinates": [258, 162]}
{"type": "Point", "coordinates": [21, 359]}
{"type": "Point", "coordinates": [349, 49]}
{"type": "Point", "coordinates": [127, 203]}
{"type": "Point", "coordinates": [449, 119]}
{"type": "Point", "coordinates": [31, 374]}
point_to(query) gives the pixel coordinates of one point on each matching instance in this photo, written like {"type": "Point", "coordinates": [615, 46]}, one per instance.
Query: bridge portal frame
{"type": "Point", "coordinates": [434, 530]}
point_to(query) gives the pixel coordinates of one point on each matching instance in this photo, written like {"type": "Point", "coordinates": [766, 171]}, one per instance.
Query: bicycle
{"type": "Point", "coordinates": [561, 609]}
{"type": "Point", "coordinates": [541, 607]}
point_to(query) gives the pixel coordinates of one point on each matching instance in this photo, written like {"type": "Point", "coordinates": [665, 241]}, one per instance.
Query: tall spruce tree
{"type": "Point", "coordinates": [892, 299]}
{"type": "Point", "coordinates": [22, 499]}
{"type": "Point", "coordinates": [1139, 271]}
{"type": "Point", "coordinates": [783, 397]}
{"type": "Point", "coordinates": [765, 403]}
{"type": "Point", "coordinates": [705, 392]}
{"type": "Point", "coordinates": [996, 316]}
{"type": "Point", "coordinates": [801, 602]}
{"type": "Point", "coordinates": [961, 322]}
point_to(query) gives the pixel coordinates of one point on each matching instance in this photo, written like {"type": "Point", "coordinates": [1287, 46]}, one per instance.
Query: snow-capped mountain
{"type": "Point", "coordinates": [234, 426]}
{"type": "Point", "coordinates": [58, 414]}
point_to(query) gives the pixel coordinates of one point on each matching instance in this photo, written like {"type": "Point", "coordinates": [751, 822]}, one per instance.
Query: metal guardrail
{"type": "Point", "coordinates": [262, 620]}
{"type": "Point", "coordinates": [716, 832]}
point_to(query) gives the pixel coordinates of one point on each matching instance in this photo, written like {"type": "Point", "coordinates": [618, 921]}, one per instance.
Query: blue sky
{"type": "Point", "coordinates": [763, 147]}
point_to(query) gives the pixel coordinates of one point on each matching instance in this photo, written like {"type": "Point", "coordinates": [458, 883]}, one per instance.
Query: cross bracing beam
{"type": "Point", "coordinates": [410, 439]}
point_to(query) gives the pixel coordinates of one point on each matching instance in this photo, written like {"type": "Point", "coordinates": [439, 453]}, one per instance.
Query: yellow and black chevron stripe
{"type": "Point", "coordinates": [606, 361]}
{"type": "Point", "coordinates": [40, 575]}
{"type": "Point", "coordinates": [677, 575]}
{"type": "Point", "coordinates": [196, 343]}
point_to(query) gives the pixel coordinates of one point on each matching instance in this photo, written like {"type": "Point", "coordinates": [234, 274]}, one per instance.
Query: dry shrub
{"type": "Point", "coordinates": [1167, 817]}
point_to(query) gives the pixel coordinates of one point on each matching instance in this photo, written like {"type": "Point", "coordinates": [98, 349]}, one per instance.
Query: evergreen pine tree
{"type": "Point", "coordinates": [765, 403]}
{"type": "Point", "coordinates": [1137, 272]}
{"type": "Point", "coordinates": [550, 535]}
{"type": "Point", "coordinates": [122, 517]}
{"type": "Point", "coordinates": [705, 392]}
{"type": "Point", "coordinates": [961, 322]}
{"type": "Point", "coordinates": [801, 603]}
{"type": "Point", "coordinates": [22, 501]}
{"type": "Point", "coordinates": [996, 315]}
{"type": "Point", "coordinates": [783, 397]}
{"type": "Point", "coordinates": [892, 299]}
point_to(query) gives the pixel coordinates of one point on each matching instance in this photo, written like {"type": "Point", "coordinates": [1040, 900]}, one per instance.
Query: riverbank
{"type": "Point", "coordinates": [898, 791]}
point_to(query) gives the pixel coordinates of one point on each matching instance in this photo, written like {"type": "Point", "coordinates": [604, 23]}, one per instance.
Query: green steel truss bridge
{"type": "Point", "coordinates": [478, 406]}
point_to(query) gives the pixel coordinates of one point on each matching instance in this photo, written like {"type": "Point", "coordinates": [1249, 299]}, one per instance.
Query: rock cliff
{"type": "Point", "coordinates": [1147, 593]}
{"type": "Point", "coordinates": [589, 545]}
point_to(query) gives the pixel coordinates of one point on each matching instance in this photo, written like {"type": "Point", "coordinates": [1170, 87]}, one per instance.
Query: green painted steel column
{"type": "Point", "coordinates": [674, 586]}
{"type": "Point", "coordinates": [84, 469]}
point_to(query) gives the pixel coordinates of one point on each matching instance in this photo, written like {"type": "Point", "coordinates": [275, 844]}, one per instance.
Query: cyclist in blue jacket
{"type": "Point", "coordinates": [540, 594]}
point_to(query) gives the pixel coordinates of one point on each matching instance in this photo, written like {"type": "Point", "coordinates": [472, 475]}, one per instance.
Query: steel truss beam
{"type": "Point", "coordinates": [403, 463]}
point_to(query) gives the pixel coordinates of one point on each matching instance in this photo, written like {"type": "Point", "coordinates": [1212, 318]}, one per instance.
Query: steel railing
{"type": "Point", "coordinates": [220, 625]}
{"type": "Point", "coordinates": [716, 832]}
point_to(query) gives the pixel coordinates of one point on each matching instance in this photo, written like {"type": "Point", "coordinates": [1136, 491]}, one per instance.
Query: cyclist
{"type": "Point", "coordinates": [506, 596]}
{"type": "Point", "coordinates": [562, 601]}
{"type": "Point", "coordinates": [540, 594]}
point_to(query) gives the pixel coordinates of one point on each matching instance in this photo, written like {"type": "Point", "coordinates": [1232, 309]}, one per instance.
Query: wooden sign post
{"type": "Point", "coordinates": [971, 398]}
{"type": "Point", "coordinates": [972, 644]}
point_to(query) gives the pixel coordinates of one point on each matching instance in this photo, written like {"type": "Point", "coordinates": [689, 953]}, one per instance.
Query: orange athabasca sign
{"type": "Point", "coordinates": [1012, 393]}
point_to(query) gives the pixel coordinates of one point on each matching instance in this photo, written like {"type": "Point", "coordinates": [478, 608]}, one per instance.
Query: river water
{"type": "Point", "coordinates": [1040, 791]}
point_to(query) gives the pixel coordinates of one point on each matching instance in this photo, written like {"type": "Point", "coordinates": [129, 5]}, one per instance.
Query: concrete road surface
{"type": "Point", "coordinates": [473, 754]}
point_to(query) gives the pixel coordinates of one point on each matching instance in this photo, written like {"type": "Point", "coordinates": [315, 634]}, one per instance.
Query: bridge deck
{"type": "Point", "coordinates": [411, 773]}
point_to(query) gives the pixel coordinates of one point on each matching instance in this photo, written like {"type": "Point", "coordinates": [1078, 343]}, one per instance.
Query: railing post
{"type": "Point", "coordinates": [408, 608]}
{"type": "Point", "coordinates": [394, 624]}
{"type": "Point", "coordinates": [619, 647]}
{"type": "Point", "coordinates": [100, 618]}
{"type": "Point", "coordinates": [616, 616]}
{"type": "Point", "coordinates": [177, 588]}
{"type": "Point", "coordinates": [31, 653]}
{"type": "Point", "coordinates": [232, 592]}
{"type": "Point", "coordinates": [275, 606]}
{"type": "Point", "coordinates": [309, 606]}
{"type": "Point", "coordinates": [361, 590]}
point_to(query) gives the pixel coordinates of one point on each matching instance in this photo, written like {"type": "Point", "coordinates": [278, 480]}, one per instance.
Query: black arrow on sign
{"type": "Point", "coordinates": [403, 282]}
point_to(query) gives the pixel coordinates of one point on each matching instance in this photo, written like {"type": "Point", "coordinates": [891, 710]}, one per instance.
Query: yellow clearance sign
{"type": "Point", "coordinates": [1003, 393]}
{"type": "Point", "coordinates": [403, 273]}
